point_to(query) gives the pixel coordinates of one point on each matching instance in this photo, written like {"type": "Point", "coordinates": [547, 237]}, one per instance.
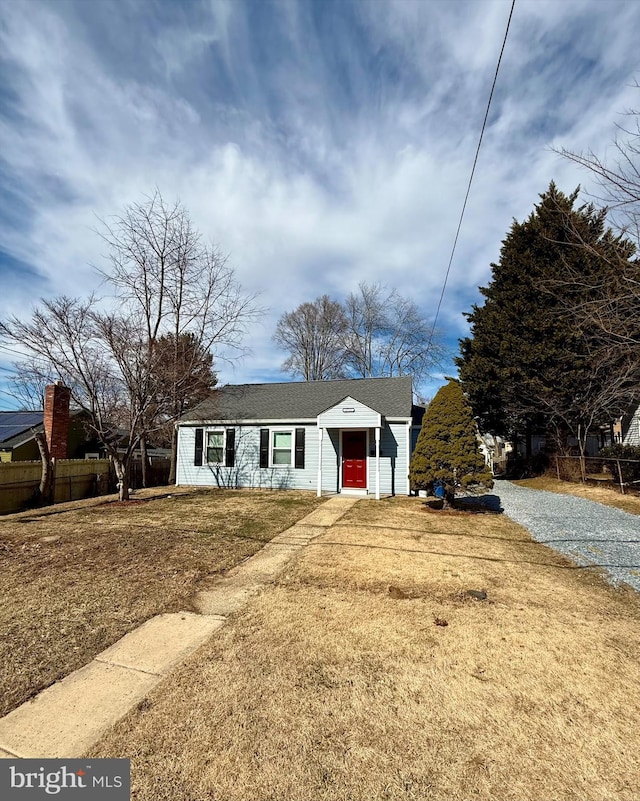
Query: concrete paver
{"type": "Point", "coordinates": [66, 719]}
{"type": "Point", "coordinates": [330, 511]}
{"type": "Point", "coordinates": [162, 642]}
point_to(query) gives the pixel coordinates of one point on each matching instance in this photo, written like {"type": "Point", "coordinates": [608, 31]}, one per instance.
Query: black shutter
{"type": "Point", "coordinates": [230, 449]}
{"type": "Point", "coordinates": [300, 448]}
{"type": "Point", "coordinates": [197, 460]}
{"type": "Point", "coordinates": [264, 447]}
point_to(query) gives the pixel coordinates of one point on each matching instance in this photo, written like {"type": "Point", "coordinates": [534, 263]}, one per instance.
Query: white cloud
{"type": "Point", "coordinates": [318, 148]}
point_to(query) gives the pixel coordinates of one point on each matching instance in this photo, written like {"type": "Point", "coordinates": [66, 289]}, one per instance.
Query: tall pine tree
{"type": "Point", "coordinates": [529, 364]}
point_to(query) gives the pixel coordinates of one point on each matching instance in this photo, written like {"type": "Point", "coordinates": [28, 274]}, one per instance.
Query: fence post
{"type": "Point", "coordinates": [54, 479]}
{"type": "Point", "coordinates": [557, 467]}
{"type": "Point", "coordinates": [620, 476]}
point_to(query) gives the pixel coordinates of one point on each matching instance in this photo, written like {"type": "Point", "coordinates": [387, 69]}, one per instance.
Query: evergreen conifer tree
{"type": "Point", "coordinates": [447, 449]}
{"type": "Point", "coordinates": [530, 363]}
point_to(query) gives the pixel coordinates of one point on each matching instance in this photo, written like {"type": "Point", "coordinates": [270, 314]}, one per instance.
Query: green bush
{"type": "Point", "coordinates": [630, 470]}
{"type": "Point", "coordinates": [447, 450]}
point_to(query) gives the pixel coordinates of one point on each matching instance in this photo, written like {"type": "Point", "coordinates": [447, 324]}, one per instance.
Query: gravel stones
{"type": "Point", "coordinates": [589, 533]}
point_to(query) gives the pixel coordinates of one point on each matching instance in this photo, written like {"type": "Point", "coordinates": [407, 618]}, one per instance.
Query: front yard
{"type": "Point", "coordinates": [368, 672]}
{"type": "Point", "coordinates": [73, 582]}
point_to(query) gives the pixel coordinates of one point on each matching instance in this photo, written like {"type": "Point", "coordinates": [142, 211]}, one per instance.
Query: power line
{"type": "Point", "coordinates": [26, 356]}
{"type": "Point", "coordinates": [473, 169]}
{"type": "Point", "coordinates": [10, 395]}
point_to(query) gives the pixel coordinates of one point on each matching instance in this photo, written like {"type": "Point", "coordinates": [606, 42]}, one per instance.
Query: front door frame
{"type": "Point", "coordinates": [354, 490]}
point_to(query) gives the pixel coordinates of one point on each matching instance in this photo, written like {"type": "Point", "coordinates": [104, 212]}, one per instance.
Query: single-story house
{"type": "Point", "coordinates": [351, 436]}
{"type": "Point", "coordinates": [18, 430]}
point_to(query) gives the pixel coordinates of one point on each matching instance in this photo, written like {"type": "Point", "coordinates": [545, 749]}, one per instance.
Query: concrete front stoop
{"type": "Point", "coordinates": [66, 719]}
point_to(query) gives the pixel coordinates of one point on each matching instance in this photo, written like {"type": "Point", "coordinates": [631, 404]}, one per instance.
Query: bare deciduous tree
{"type": "Point", "coordinates": [178, 286]}
{"type": "Point", "coordinates": [388, 335]}
{"type": "Point", "coordinates": [377, 332]}
{"type": "Point", "coordinates": [314, 336]}
{"type": "Point", "coordinates": [102, 358]}
{"type": "Point", "coordinates": [612, 303]}
{"type": "Point", "coordinates": [29, 382]}
{"type": "Point", "coordinates": [618, 177]}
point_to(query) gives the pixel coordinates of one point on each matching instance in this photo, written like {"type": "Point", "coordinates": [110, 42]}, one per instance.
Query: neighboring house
{"type": "Point", "coordinates": [18, 430]}
{"type": "Point", "coordinates": [632, 432]}
{"type": "Point", "coordinates": [495, 450]}
{"type": "Point", "coordinates": [350, 436]}
{"type": "Point", "coordinates": [17, 441]}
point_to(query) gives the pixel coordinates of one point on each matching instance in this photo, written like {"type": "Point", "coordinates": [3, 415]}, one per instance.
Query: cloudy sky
{"type": "Point", "coordinates": [319, 143]}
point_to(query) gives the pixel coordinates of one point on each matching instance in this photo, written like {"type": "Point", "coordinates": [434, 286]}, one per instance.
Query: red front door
{"type": "Point", "coordinates": [354, 459]}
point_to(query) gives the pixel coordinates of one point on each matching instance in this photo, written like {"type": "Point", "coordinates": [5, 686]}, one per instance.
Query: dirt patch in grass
{"type": "Point", "coordinates": [330, 686]}
{"type": "Point", "coordinates": [605, 495]}
{"type": "Point", "coordinates": [74, 582]}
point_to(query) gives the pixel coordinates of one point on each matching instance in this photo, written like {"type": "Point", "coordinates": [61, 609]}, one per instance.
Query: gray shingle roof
{"type": "Point", "coordinates": [297, 400]}
{"type": "Point", "coordinates": [13, 424]}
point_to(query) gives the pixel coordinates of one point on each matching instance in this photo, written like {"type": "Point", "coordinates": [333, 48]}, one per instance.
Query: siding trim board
{"type": "Point", "coordinates": [276, 421]}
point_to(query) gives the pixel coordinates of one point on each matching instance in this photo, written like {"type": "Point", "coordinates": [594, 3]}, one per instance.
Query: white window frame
{"type": "Point", "coordinates": [216, 430]}
{"type": "Point", "coordinates": [292, 449]}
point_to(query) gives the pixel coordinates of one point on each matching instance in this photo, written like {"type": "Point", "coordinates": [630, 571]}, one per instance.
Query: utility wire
{"type": "Point", "coordinates": [473, 169]}
{"type": "Point", "coordinates": [29, 356]}
{"type": "Point", "coordinates": [10, 395]}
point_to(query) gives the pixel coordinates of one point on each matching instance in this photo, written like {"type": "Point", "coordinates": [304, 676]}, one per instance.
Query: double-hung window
{"type": "Point", "coordinates": [281, 448]}
{"type": "Point", "coordinates": [215, 447]}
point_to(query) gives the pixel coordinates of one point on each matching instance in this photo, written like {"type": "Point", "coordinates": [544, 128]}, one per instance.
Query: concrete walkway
{"type": "Point", "coordinates": [66, 719]}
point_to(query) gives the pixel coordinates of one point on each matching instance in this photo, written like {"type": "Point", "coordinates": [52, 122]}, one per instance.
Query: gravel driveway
{"type": "Point", "coordinates": [587, 532]}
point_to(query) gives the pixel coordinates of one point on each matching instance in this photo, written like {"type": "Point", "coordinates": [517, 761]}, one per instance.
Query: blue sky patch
{"type": "Point", "coordinates": [320, 143]}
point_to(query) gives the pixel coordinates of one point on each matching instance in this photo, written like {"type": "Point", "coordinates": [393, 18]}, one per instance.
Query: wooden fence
{"type": "Point", "coordinates": [623, 474]}
{"type": "Point", "coordinates": [73, 479]}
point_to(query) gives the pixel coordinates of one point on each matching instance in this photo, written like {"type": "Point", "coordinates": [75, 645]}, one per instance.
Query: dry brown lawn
{"type": "Point", "coordinates": [74, 581]}
{"type": "Point", "coordinates": [607, 495]}
{"type": "Point", "coordinates": [329, 686]}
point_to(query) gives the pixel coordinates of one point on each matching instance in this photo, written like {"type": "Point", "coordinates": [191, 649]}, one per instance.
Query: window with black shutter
{"type": "Point", "coordinates": [300, 448]}
{"type": "Point", "coordinates": [197, 459]}
{"type": "Point", "coordinates": [230, 448]}
{"type": "Point", "coordinates": [264, 447]}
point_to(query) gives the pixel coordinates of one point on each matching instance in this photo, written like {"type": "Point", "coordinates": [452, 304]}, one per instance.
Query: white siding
{"type": "Point", "coordinates": [246, 471]}
{"type": "Point", "coordinates": [349, 413]}
{"type": "Point", "coordinates": [393, 460]}
{"type": "Point", "coordinates": [632, 437]}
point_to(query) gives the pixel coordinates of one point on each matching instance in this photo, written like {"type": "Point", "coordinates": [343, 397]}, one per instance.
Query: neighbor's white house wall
{"type": "Point", "coordinates": [632, 437]}
{"type": "Point", "coordinates": [247, 472]}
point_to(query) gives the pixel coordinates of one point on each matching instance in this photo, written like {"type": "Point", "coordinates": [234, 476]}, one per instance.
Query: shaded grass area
{"type": "Point", "coordinates": [331, 685]}
{"type": "Point", "coordinates": [74, 582]}
{"type": "Point", "coordinates": [606, 495]}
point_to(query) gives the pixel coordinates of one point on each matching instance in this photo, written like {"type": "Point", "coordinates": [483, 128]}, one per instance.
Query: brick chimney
{"type": "Point", "coordinates": [56, 418]}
